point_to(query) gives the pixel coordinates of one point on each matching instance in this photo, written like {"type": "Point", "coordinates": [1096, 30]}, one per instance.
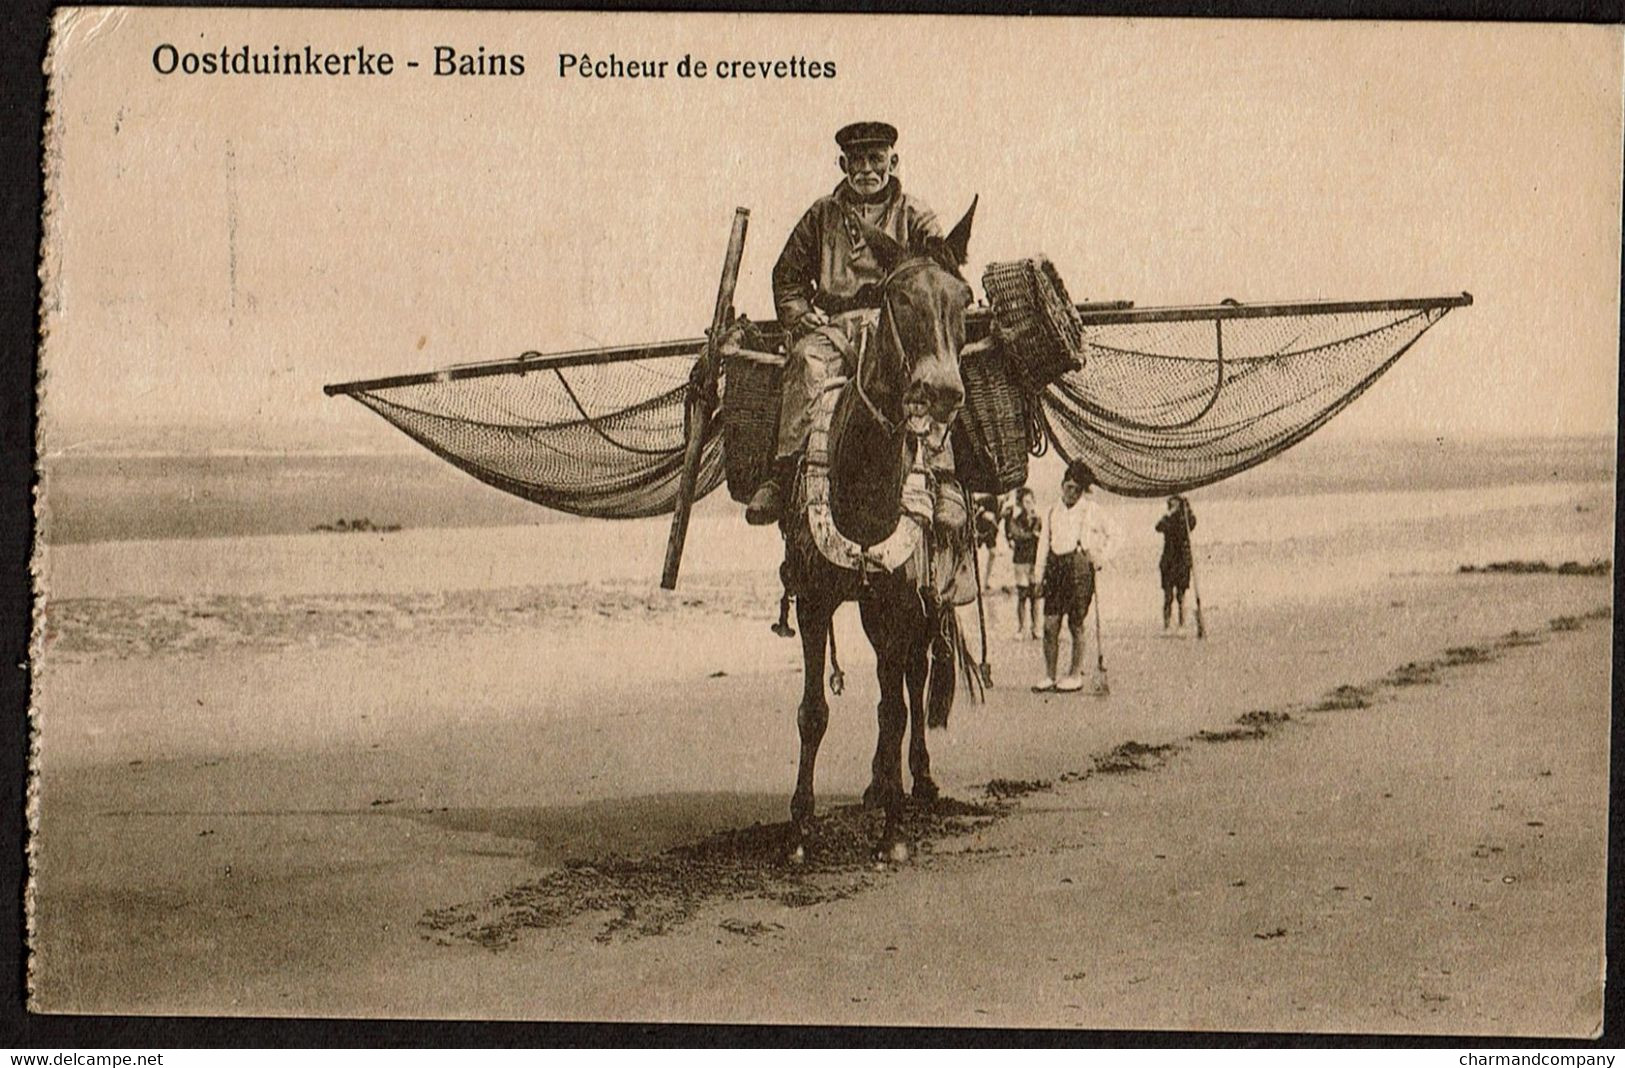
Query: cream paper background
{"type": "Point", "coordinates": [282, 772]}
{"type": "Point", "coordinates": [219, 247]}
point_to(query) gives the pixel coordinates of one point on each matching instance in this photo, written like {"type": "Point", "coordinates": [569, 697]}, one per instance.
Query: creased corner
{"type": "Point", "coordinates": [77, 28]}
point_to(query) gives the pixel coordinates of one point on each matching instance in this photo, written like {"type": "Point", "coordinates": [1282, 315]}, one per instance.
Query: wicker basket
{"type": "Point", "coordinates": [1037, 323]}
{"type": "Point", "coordinates": [750, 419]}
{"type": "Point", "coordinates": [995, 416]}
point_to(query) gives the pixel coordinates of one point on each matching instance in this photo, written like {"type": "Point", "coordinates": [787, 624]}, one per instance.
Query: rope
{"type": "Point", "coordinates": [592, 424]}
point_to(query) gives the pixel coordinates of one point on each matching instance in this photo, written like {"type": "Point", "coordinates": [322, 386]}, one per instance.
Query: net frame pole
{"type": "Point", "coordinates": [699, 404]}
{"type": "Point", "coordinates": [1190, 552]}
{"type": "Point", "coordinates": [976, 325]}
{"type": "Point", "coordinates": [1234, 310]}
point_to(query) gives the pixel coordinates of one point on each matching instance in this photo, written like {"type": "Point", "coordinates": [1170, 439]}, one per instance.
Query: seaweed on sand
{"type": "Point", "coordinates": [1344, 698]}
{"type": "Point", "coordinates": [1133, 756]}
{"type": "Point", "coordinates": [1413, 674]}
{"type": "Point", "coordinates": [1538, 567]}
{"type": "Point", "coordinates": [1260, 723]}
{"type": "Point", "coordinates": [651, 895]}
{"type": "Point", "coordinates": [1001, 789]}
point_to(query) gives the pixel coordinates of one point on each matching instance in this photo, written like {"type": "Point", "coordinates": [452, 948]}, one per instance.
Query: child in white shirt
{"type": "Point", "coordinates": [1072, 546]}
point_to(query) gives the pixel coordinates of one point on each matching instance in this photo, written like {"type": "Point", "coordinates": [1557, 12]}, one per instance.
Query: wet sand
{"type": "Point", "coordinates": [556, 801]}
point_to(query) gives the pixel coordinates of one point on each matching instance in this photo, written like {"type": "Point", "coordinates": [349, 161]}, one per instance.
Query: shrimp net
{"type": "Point", "coordinates": [1167, 400]}
{"type": "Point", "coordinates": [1165, 405]}
{"type": "Point", "coordinates": [605, 441]}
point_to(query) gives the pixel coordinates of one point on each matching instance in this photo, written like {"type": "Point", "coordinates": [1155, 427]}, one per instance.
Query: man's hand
{"type": "Point", "coordinates": [811, 319]}
{"type": "Point", "coordinates": [977, 348]}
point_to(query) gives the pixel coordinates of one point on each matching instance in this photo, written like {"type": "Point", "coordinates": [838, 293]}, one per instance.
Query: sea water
{"type": "Point", "coordinates": [1325, 513]}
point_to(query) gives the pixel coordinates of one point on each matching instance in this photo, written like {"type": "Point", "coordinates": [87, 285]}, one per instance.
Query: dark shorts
{"type": "Point", "coordinates": [1069, 587]}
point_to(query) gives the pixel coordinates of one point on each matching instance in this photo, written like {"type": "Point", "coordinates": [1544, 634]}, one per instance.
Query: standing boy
{"type": "Point", "coordinates": [1175, 527]}
{"type": "Point", "coordinates": [1021, 529]}
{"type": "Point", "coordinates": [1072, 546]}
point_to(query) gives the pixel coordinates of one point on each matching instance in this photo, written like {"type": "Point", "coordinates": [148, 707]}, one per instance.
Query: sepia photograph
{"type": "Point", "coordinates": [833, 520]}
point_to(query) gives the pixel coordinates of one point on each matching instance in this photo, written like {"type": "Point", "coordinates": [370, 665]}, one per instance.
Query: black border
{"type": "Point", "coordinates": [22, 102]}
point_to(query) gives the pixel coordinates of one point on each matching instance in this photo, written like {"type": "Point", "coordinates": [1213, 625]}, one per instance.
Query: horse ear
{"type": "Point", "coordinates": [958, 240]}
{"type": "Point", "coordinates": [888, 253]}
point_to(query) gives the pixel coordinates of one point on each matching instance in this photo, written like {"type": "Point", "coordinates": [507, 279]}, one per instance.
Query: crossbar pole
{"type": "Point", "coordinates": [527, 363]}
{"type": "Point", "coordinates": [534, 361]}
{"type": "Point", "coordinates": [1101, 313]}
{"type": "Point", "coordinates": [1204, 312]}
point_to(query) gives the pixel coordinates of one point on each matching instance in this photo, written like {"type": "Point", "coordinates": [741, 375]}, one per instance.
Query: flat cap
{"type": "Point", "coordinates": [866, 133]}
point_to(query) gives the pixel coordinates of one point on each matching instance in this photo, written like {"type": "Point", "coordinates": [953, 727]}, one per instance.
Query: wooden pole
{"type": "Point", "coordinates": [699, 407]}
{"type": "Point", "coordinates": [1190, 550]}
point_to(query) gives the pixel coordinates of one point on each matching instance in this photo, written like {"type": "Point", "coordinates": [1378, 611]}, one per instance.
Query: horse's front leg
{"type": "Point", "coordinates": [919, 759]}
{"type": "Point", "coordinates": [812, 717]}
{"type": "Point", "coordinates": [889, 634]}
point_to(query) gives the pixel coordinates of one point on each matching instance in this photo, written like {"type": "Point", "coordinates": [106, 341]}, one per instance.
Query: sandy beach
{"type": "Point", "coordinates": [462, 773]}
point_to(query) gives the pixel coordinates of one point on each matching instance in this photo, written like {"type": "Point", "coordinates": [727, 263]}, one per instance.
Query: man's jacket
{"type": "Point", "coordinates": [826, 261]}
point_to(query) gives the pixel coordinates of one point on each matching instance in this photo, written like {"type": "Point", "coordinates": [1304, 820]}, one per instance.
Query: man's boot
{"type": "Point", "coordinates": [767, 503]}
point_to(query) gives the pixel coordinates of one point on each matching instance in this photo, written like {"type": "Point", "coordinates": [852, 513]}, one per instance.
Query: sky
{"type": "Point", "coordinates": [218, 248]}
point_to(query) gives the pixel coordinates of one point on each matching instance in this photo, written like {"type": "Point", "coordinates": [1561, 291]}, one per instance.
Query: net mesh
{"type": "Point", "coordinates": [1160, 406]}
{"type": "Point", "coordinates": [1164, 407]}
{"type": "Point", "coordinates": [603, 441]}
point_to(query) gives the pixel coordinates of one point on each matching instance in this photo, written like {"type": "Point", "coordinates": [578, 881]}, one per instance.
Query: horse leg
{"type": "Point", "coordinates": [888, 633]}
{"type": "Point", "coordinates": [919, 759]}
{"type": "Point", "coordinates": [812, 717]}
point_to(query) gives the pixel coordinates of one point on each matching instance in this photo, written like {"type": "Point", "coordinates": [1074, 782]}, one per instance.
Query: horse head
{"type": "Point", "coordinates": [915, 380]}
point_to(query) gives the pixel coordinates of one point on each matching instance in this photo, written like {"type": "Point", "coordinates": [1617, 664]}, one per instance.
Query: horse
{"type": "Point", "coordinates": [906, 385]}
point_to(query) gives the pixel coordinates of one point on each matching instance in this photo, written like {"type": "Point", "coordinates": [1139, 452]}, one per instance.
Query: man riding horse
{"type": "Point", "coordinates": [826, 289]}
{"type": "Point", "coordinates": [875, 304]}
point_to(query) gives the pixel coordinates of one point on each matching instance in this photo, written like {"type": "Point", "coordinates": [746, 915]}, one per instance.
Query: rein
{"type": "Point", "coordinates": [893, 427]}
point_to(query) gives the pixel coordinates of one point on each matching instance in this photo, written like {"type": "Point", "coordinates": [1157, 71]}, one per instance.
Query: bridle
{"type": "Point", "coordinates": [888, 315]}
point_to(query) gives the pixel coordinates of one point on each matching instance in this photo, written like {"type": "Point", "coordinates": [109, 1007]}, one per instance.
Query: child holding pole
{"type": "Point", "coordinates": [1072, 546]}
{"type": "Point", "coordinates": [1175, 526]}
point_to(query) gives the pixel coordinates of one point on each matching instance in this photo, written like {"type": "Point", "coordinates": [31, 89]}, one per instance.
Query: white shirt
{"type": "Point", "coordinates": [1082, 526]}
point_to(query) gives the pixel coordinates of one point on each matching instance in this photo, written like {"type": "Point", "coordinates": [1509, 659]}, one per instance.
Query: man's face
{"type": "Point", "coordinates": [868, 168]}
{"type": "Point", "coordinates": [1070, 492]}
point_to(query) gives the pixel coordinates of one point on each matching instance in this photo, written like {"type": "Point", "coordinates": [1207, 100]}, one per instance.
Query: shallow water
{"type": "Point", "coordinates": [150, 496]}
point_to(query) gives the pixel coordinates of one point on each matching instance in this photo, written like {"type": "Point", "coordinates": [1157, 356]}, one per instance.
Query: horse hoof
{"type": "Point", "coordinates": [888, 853]}
{"type": "Point", "coordinates": [926, 790]}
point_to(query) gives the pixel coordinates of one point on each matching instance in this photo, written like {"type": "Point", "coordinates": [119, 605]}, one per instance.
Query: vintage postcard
{"type": "Point", "coordinates": [959, 521]}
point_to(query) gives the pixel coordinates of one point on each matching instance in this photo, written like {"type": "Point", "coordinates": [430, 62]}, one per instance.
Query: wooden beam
{"type": "Point", "coordinates": [699, 407]}
{"type": "Point", "coordinates": [1095, 313]}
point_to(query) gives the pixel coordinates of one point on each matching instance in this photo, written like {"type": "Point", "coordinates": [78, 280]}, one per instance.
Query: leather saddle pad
{"type": "Point", "coordinates": [867, 466]}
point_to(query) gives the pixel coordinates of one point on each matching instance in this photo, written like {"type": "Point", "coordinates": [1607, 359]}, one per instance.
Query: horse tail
{"type": "Point", "coordinates": [946, 645]}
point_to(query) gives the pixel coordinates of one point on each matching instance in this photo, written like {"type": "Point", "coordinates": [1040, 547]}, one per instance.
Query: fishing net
{"type": "Point", "coordinates": [1170, 401]}
{"type": "Point", "coordinates": [605, 441]}
{"type": "Point", "coordinates": [1166, 400]}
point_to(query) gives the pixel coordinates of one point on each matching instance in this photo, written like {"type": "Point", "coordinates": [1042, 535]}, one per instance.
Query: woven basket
{"type": "Point", "coordinates": [1037, 323]}
{"type": "Point", "coordinates": [750, 419]}
{"type": "Point", "coordinates": [995, 416]}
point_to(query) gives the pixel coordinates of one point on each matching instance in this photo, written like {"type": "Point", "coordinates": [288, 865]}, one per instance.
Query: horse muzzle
{"type": "Point", "coordinates": [926, 427]}
{"type": "Point", "coordinates": [936, 396]}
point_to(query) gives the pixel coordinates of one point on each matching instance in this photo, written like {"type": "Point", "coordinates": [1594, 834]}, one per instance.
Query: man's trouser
{"type": "Point", "coordinates": [814, 358]}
